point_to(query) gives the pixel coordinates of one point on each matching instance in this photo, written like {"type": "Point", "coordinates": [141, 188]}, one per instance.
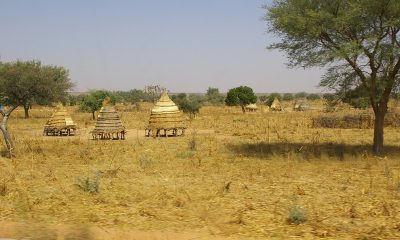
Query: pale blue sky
{"type": "Point", "coordinates": [184, 45]}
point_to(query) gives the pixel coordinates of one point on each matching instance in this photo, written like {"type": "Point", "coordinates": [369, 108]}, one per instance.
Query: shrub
{"type": "Point", "coordinates": [296, 215]}
{"type": "Point", "coordinates": [90, 184]}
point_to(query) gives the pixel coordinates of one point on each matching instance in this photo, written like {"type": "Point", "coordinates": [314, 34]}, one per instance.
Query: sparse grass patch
{"type": "Point", "coordinates": [89, 183]}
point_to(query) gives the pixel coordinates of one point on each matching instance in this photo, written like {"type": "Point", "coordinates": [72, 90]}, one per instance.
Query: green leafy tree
{"type": "Point", "coordinates": [188, 104]}
{"type": "Point", "coordinates": [300, 95]}
{"type": "Point", "coordinates": [263, 98]}
{"type": "Point", "coordinates": [313, 96]}
{"type": "Point", "coordinates": [357, 98]}
{"type": "Point", "coordinates": [272, 97]}
{"type": "Point", "coordinates": [358, 40]}
{"type": "Point", "coordinates": [240, 96]}
{"type": "Point", "coordinates": [287, 97]}
{"type": "Point", "coordinates": [191, 107]}
{"type": "Point", "coordinates": [214, 97]}
{"type": "Point", "coordinates": [93, 101]}
{"type": "Point", "coordinates": [24, 83]}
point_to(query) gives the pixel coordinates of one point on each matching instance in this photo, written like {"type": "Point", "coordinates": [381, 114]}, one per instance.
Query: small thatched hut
{"type": "Point", "coordinates": [301, 105]}
{"type": "Point", "coordinates": [166, 116]}
{"type": "Point", "coordinates": [108, 124]}
{"type": "Point", "coordinates": [251, 108]}
{"type": "Point", "coordinates": [60, 124]}
{"type": "Point", "coordinates": [276, 105]}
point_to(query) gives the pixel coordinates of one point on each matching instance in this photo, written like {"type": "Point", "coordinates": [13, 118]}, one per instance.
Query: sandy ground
{"type": "Point", "coordinates": [13, 231]}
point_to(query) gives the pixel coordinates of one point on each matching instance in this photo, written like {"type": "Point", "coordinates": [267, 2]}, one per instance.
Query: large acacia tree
{"type": "Point", "coordinates": [358, 41]}
{"type": "Point", "coordinates": [24, 83]}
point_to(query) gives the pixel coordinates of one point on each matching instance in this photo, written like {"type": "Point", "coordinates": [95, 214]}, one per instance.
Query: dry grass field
{"type": "Point", "coordinates": [233, 176]}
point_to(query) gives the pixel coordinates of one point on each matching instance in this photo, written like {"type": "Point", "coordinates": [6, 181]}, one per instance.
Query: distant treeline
{"type": "Point", "coordinates": [211, 97]}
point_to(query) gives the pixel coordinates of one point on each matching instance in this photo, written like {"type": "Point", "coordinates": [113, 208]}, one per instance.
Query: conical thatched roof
{"type": "Point", "coordinates": [60, 119]}
{"type": "Point", "coordinates": [166, 115]}
{"type": "Point", "coordinates": [276, 105]}
{"type": "Point", "coordinates": [108, 121]}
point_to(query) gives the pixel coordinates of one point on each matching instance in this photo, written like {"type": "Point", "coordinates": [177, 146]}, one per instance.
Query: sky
{"type": "Point", "coordinates": [183, 45]}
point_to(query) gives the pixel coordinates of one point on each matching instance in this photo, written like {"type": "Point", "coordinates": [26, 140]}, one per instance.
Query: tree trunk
{"type": "Point", "coordinates": [26, 110]}
{"type": "Point", "coordinates": [7, 137]}
{"type": "Point", "coordinates": [243, 110]}
{"type": "Point", "coordinates": [93, 115]}
{"type": "Point", "coordinates": [377, 147]}
{"type": "Point", "coordinates": [4, 130]}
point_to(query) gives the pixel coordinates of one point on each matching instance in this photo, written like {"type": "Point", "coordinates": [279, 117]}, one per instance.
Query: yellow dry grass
{"type": "Point", "coordinates": [233, 176]}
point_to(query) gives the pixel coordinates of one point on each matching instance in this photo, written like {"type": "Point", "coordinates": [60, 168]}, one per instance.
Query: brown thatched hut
{"type": "Point", "coordinates": [301, 105]}
{"type": "Point", "coordinates": [166, 117]}
{"type": "Point", "coordinates": [60, 124]}
{"type": "Point", "coordinates": [251, 108]}
{"type": "Point", "coordinates": [276, 105]}
{"type": "Point", "coordinates": [108, 125]}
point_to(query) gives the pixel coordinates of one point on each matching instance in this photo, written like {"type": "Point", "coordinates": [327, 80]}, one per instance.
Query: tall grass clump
{"type": "Point", "coordinates": [296, 215]}
{"type": "Point", "coordinates": [90, 183]}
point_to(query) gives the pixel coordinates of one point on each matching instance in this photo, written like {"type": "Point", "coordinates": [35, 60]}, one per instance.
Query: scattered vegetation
{"type": "Point", "coordinates": [90, 183]}
{"type": "Point", "coordinates": [296, 215]}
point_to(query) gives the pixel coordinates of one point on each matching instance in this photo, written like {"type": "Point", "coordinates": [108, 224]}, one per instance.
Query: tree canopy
{"type": "Point", "coordinates": [30, 82]}
{"type": "Point", "coordinates": [359, 40]}
{"type": "Point", "coordinates": [240, 96]}
{"type": "Point", "coordinates": [93, 101]}
{"type": "Point", "coordinates": [214, 96]}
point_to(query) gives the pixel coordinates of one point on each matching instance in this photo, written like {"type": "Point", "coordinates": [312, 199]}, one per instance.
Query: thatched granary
{"type": "Point", "coordinates": [251, 108]}
{"type": "Point", "coordinates": [301, 105]}
{"type": "Point", "coordinates": [108, 125]}
{"type": "Point", "coordinates": [60, 124]}
{"type": "Point", "coordinates": [276, 105]}
{"type": "Point", "coordinates": [166, 117]}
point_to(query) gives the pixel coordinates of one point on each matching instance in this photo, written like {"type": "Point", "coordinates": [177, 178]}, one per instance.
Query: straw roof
{"type": "Point", "coordinates": [60, 119]}
{"type": "Point", "coordinates": [166, 115]}
{"type": "Point", "coordinates": [301, 105]}
{"type": "Point", "coordinates": [276, 105]}
{"type": "Point", "coordinates": [108, 121]}
{"type": "Point", "coordinates": [252, 106]}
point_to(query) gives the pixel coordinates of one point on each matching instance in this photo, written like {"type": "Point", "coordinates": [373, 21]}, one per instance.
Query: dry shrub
{"type": "Point", "coordinates": [362, 121]}
{"type": "Point", "coordinates": [392, 120]}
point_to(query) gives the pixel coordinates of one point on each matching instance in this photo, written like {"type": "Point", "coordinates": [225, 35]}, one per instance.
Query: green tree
{"type": "Point", "coordinates": [357, 98]}
{"type": "Point", "coordinates": [313, 96]}
{"type": "Point", "coordinates": [25, 83]}
{"type": "Point", "coordinates": [263, 98]}
{"type": "Point", "coordinates": [272, 97]}
{"type": "Point", "coordinates": [191, 107]}
{"type": "Point", "coordinates": [214, 96]}
{"type": "Point", "coordinates": [300, 95]}
{"type": "Point", "coordinates": [240, 96]}
{"type": "Point", "coordinates": [287, 97]}
{"type": "Point", "coordinates": [93, 101]}
{"type": "Point", "coordinates": [358, 40]}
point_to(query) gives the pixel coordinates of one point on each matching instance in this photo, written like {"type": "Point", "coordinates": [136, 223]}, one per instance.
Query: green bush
{"type": "Point", "coordinates": [296, 215]}
{"type": "Point", "coordinates": [90, 184]}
